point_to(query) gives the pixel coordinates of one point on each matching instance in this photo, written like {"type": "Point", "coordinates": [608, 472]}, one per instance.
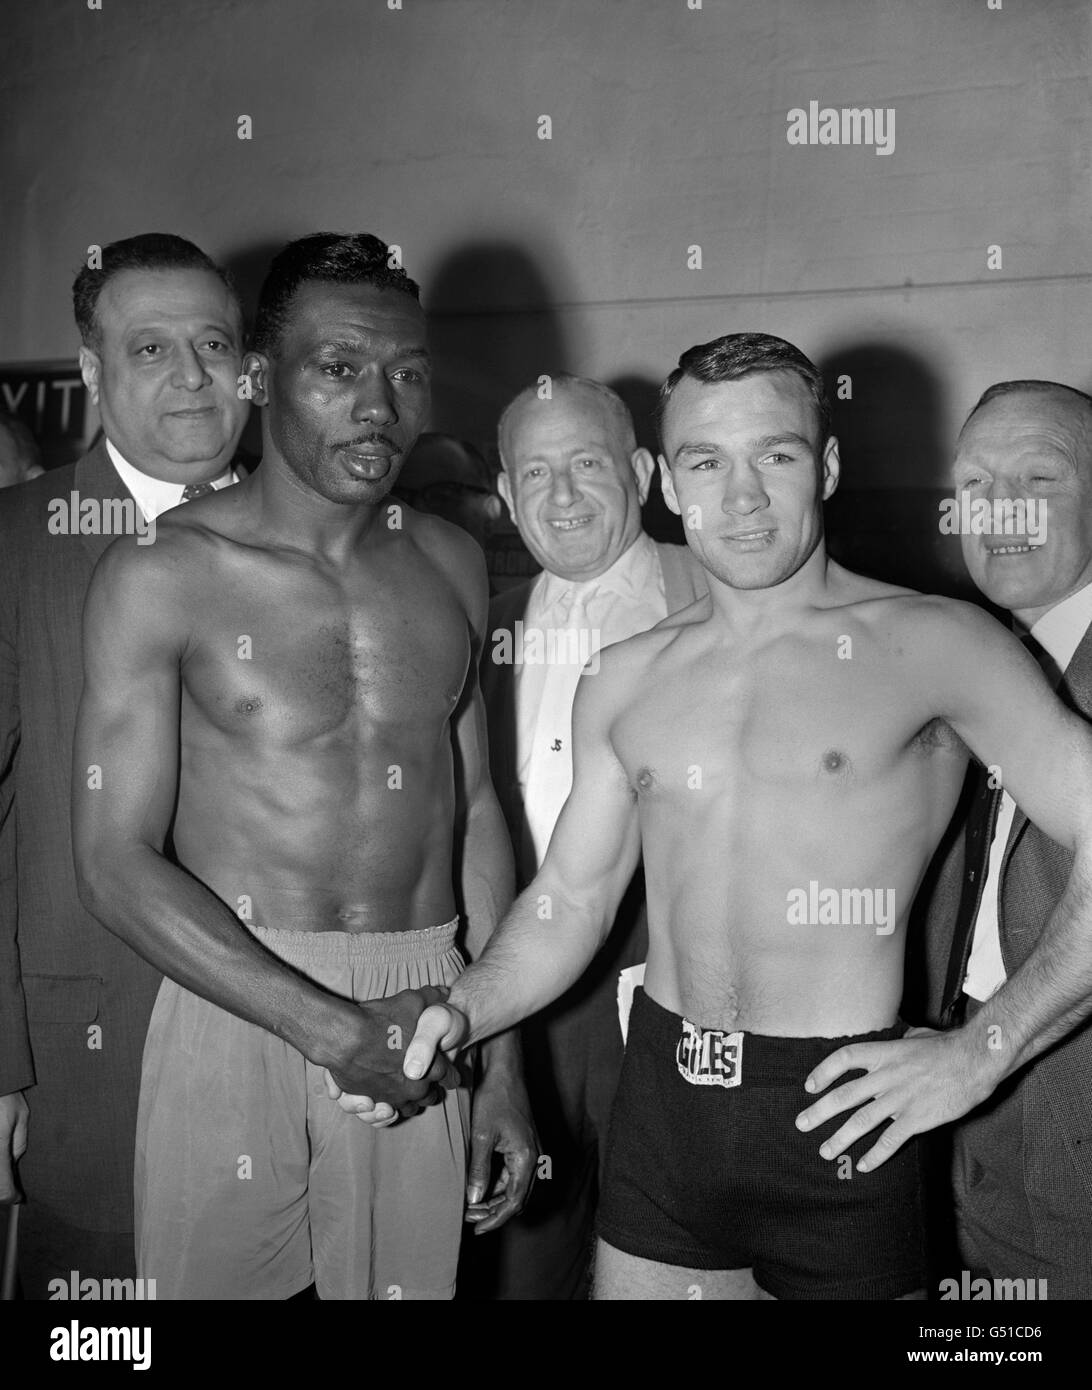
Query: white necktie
{"type": "Point", "coordinates": [550, 767]}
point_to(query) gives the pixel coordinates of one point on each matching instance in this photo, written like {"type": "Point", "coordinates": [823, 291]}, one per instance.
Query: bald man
{"type": "Point", "coordinates": [574, 482]}
{"type": "Point", "coordinates": [1023, 1161]}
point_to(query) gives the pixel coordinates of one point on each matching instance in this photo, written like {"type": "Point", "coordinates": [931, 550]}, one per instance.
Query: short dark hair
{"type": "Point", "coordinates": [353, 258]}
{"type": "Point", "coordinates": [149, 251]}
{"type": "Point", "coordinates": [739, 355]}
{"type": "Point", "coordinates": [1013, 388]}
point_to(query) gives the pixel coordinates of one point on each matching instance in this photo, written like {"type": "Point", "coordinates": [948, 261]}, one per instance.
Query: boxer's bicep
{"type": "Point", "coordinates": [596, 844]}
{"type": "Point", "coordinates": [125, 761]}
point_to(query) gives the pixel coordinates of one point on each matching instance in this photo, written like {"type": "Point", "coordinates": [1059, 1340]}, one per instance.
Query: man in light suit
{"type": "Point", "coordinates": [574, 482]}
{"type": "Point", "coordinates": [161, 353]}
{"type": "Point", "coordinates": [1023, 1161]}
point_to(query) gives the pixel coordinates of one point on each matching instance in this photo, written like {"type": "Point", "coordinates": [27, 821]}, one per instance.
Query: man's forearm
{"type": "Point", "coordinates": [541, 948]}
{"type": "Point", "coordinates": [1051, 993]}
{"type": "Point", "coordinates": [185, 931]}
{"type": "Point", "coordinates": [487, 885]}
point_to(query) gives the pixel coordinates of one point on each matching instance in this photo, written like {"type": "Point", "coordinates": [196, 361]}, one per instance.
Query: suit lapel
{"type": "Point", "coordinates": [978, 837]}
{"type": "Point", "coordinates": [96, 477]}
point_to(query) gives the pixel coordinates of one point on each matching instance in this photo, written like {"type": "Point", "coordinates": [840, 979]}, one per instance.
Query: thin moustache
{"type": "Point", "coordinates": [363, 445]}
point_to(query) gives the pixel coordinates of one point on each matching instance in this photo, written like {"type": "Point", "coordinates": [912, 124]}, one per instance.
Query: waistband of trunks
{"type": "Point", "coordinates": [765, 1060]}
{"type": "Point", "coordinates": [366, 947]}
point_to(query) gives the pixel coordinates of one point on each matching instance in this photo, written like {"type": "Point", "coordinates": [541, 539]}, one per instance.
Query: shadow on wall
{"type": "Point", "coordinates": [640, 394]}
{"type": "Point", "coordinates": [884, 520]}
{"type": "Point", "coordinates": [247, 268]}
{"type": "Point", "coordinates": [493, 330]}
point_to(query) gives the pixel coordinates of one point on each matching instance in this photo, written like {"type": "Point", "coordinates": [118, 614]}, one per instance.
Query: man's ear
{"type": "Point", "coordinates": [90, 370]}
{"type": "Point", "coordinates": [832, 468]}
{"type": "Point", "coordinates": [643, 465]}
{"type": "Point", "coordinates": [252, 383]}
{"type": "Point", "coordinates": [504, 487]}
{"type": "Point", "coordinates": [667, 486]}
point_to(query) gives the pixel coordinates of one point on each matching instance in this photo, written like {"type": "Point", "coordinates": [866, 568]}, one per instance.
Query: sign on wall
{"type": "Point", "coordinates": [52, 399]}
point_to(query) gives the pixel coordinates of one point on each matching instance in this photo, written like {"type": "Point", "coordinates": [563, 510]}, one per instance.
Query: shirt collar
{"type": "Point", "coordinates": [1060, 630]}
{"type": "Point", "coordinates": [628, 577]}
{"type": "Point", "coordinates": [152, 495]}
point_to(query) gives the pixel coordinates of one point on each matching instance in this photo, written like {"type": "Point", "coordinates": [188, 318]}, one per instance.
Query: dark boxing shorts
{"type": "Point", "coordinates": [706, 1169]}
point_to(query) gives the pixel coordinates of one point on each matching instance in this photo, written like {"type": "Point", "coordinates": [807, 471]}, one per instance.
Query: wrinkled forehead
{"type": "Point", "coordinates": [170, 300]}
{"type": "Point", "coordinates": [575, 418]}
{"type": "Point", "coordinates": [355, 315]}
{"type": "Point", "coordinates": [761, 405]}
{"type": "Point", "coordinates": [1014, 427]}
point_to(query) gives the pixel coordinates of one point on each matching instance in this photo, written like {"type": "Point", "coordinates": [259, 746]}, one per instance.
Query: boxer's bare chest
{"type": "Point", "coordinates": [811, 718]}
{"type": "Point", "coordinates": [288, 652]}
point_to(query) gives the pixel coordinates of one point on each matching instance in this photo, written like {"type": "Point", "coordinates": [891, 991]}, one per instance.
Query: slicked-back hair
{"type": "Point", "coordinates": [739, 355]}
{"type": "Point", "coordinates": [149, 251]}
{"type": "Point", "coordinates": [334, 258]}
{"type": "Point", "coordinates": [566, 381]}
{"type": "Point", "coordinates": [1038, 388]}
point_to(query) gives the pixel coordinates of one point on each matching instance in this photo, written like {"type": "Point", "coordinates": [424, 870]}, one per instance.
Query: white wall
{"type": "Point", "coordinates": [669, 129]}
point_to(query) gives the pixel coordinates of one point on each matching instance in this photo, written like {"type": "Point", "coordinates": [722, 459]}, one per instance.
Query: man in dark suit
{"type": "Point", "coordinates": [1022, 1161]}
{"type": "Point", "coordinates": [574, 482]}
{"type": "Point", "coordinates": [161, 355]}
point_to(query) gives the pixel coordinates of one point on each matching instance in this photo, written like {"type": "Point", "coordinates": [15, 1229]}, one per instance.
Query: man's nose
{"type": "Point", "coordinates": [190, 372]}
{"type": "Point", "coordinates": [374, 400]}
{"type": "Point", "coordinates": [744, 492]}
{"type": "Point", "coordinates": [563, 489]}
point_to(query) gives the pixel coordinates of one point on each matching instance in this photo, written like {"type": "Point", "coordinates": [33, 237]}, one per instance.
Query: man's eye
{"type": "Point", "coordinates": [587, 463]}
{"type": "Point", "coordinates": [704, 465]}
{"type": "Point", "coordinates": [778, 458]}
{"type": "Point", "coordinates": [338, 370]}
{"type": "Point", "coordinates": [972, 481]}
{"type": "Point", "coordinates": [148, 350]}
{"type": "Point", "coordinates": [217, 345]}
{"type": "Point", "coordinates": [409, 374]}
{"type": "Point", "coordinates": [532, 472]}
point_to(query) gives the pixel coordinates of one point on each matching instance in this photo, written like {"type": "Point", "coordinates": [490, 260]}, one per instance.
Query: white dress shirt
{"type": "Point", "coordinates": [625, 599]}
{"type": "Point", "coordinates": [152, 495]}
{"type": "Point", "coordinates": [1059, 632]}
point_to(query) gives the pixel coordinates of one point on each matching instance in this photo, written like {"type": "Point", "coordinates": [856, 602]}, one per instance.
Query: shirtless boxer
{"type": "Point", "coordinates": [786, 754]}
{"type": "Point", "coordinates": [283, 692]}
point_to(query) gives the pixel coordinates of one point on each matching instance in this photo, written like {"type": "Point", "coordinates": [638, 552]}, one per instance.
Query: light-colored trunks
{"type": "Point", "coordinates": [251, 1183]}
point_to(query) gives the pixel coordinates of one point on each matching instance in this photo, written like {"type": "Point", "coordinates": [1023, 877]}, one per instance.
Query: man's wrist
{"type": "Point", "coordinates": [501, 1057]}
{"type": "Point", "coordinates": [330, 1032]}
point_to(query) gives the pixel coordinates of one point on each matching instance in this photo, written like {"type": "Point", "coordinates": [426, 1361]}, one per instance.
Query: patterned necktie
{"type": "Point", "coordinates": [192, 490]}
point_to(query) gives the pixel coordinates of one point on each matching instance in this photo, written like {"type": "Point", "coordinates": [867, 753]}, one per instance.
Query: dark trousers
{"type": "Point", "coordinates": [1013, 1179]}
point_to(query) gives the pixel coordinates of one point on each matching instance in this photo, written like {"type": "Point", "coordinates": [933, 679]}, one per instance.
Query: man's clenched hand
{"type": "Point", "coordinates": [370, 1065]}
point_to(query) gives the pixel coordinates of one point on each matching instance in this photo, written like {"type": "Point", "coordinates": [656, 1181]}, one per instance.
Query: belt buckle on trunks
{"type": "Point", "coordinates": [709, 1057]}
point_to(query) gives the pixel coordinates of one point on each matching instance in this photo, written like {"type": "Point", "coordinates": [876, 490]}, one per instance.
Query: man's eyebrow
{"type": "Point", "coordinates": [357, 346]}
{"type": "Point", "coordinates": [210, 326]}
{"type": "Point", "coordinates": [689, 448]}
{"type": "Point", "coordinates": [770, 441]}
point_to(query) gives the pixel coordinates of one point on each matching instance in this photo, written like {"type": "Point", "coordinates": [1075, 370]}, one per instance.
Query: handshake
{"type": "Point", "coordinates": [398, 1057]}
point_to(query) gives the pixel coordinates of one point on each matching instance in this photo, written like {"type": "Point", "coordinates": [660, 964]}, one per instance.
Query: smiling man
{"type": "Point", "coordinates": [281, 695]}
{"type": "Point", "coordinates": [1022, 1176]}
{"type": "Point", "coordinates": [802, 737]}
{"type": "Point", "coordinates": [161, 351]}
{"type": "Point", "coordinates": [574, 481]}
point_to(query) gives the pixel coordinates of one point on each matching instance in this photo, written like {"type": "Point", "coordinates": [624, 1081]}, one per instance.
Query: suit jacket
{"type": "Point", "coordinates": [74, 999]}
{"type": "Point", "coordinates": [684, 582]}
{"type": "Point", "coordinates": [1034, 871]}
